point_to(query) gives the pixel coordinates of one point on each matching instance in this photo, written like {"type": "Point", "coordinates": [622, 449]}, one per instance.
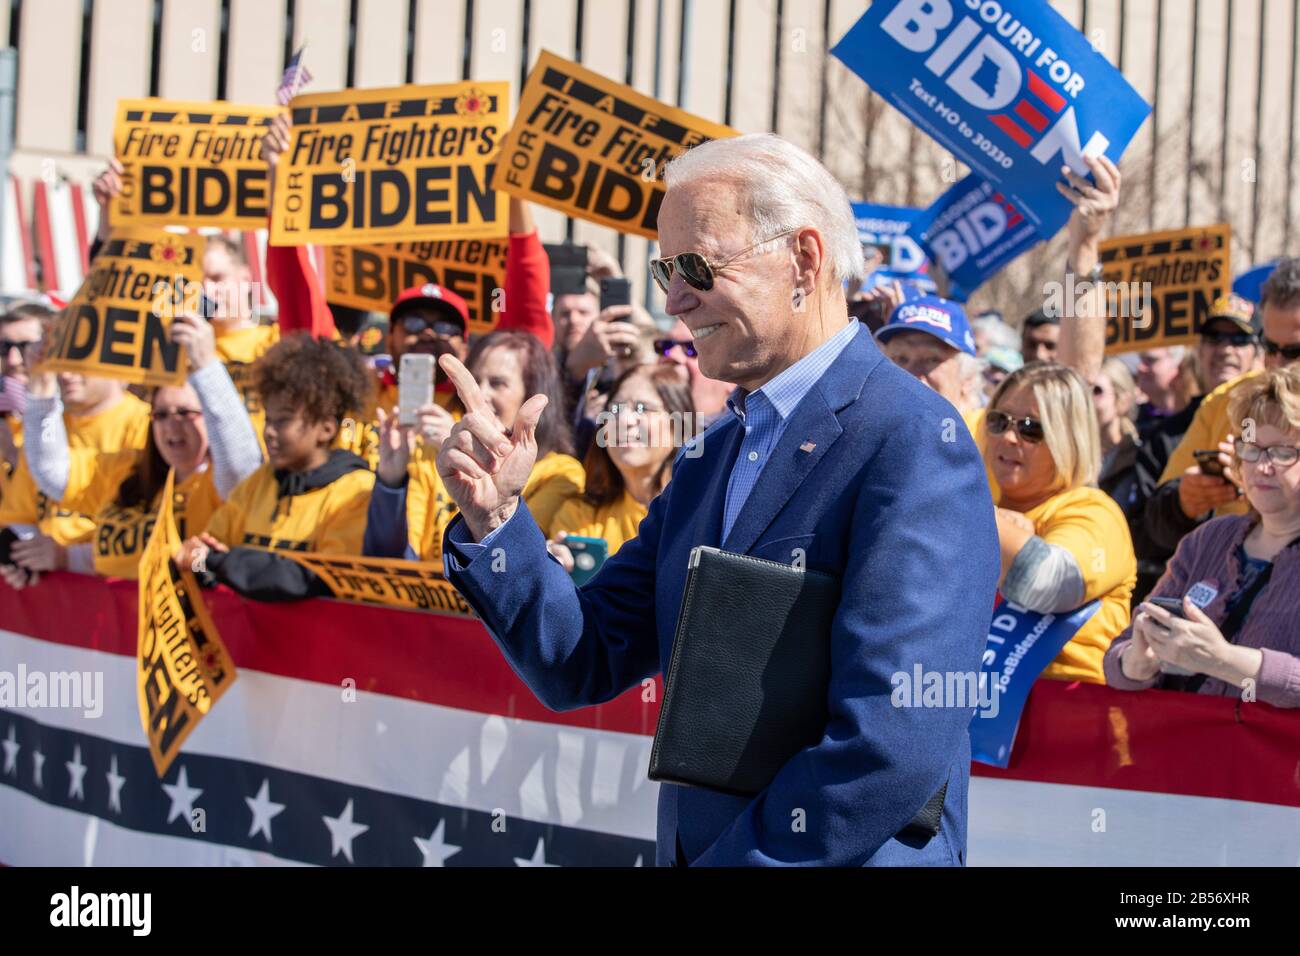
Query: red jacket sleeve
{"type": "Point", "coordinates": [297, 290]}
{"type": "Point", "coordinates": [528, 281]}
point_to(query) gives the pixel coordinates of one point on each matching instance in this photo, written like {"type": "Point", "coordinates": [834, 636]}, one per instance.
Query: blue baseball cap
{"type": "Point", "coordinates": [942, 318]}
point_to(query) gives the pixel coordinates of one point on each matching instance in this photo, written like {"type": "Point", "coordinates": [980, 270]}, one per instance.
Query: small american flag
{"type": "Point", "coordinates": [13, 396]}
{"type": "Point", "coordinates": [296, 76]}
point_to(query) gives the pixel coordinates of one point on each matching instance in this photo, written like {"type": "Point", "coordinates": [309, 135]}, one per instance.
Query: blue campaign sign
{"type": "Point", "coordinates": [1250, 283]}
{"type": "Point", "coordinates": [1021, 643]}
{"type": "Point", "coordinates": [1010, 87]}
{"type": "Point", "coordinates": [972, 231]}
{"type": "Point", "coordinates": [885, 228]}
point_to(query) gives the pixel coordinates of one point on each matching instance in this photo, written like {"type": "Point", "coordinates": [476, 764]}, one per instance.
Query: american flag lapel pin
{"type": "Point", "coordinates": [808, 446]}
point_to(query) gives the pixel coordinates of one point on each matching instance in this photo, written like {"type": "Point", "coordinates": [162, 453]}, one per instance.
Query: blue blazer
{"type": "Point", "coordinates": [894, 500]}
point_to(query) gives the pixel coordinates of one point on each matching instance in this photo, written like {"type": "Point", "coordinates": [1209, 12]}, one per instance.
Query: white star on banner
{"type": "Point", "coordinates": [38, 765]}
{"type": "Point", "coordinates": [76, 775]}
{"type": "Point", "coordinates": [115, 782]}
{"type": "Point", "coordinates": [538, 858]}
{"type": "Point", "coordinates": [434, 850]}
{"type": "Point", "coordinates": [264, 810]}
{"type": "Point", "coordinates": [10, 744]}
{"type": "Point", "coordinates": [182, 796]}
{"type": "Point", "coordinates": [343, 831]}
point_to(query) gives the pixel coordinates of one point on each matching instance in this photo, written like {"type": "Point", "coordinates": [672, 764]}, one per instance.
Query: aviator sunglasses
{"type": "Point", "coordinates": [696, 270]}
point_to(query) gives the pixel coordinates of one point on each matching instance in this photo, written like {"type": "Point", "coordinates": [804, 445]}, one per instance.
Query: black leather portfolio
{"type": "Point", "coordinates": [747, 682]}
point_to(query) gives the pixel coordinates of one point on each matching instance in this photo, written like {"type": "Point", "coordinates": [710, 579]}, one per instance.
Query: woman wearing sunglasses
{"type": "Point", "coordinates": [1064, 542]}
{"type": "Point", "coordinates": [628, 461]}
{"type": "Point", "coordinates": [1237, 576]}
{"type": "Point", "coordinates": [200, 430]}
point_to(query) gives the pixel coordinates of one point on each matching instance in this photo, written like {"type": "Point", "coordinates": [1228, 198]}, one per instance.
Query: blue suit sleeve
{"type": "Point", "coordinates": [386, 522]}
{"type": "Point", "coordinates": [918, 589]}
{"type": "Point", "coordinates": [574, 647]}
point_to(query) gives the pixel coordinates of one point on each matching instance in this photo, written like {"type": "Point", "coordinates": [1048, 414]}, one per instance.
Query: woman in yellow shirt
{"type": "Point", "coordinates": [649, 415]}
{"type": "Point", "coordinates": [1064, 542]}
{"type": "Point", "coordinates": [410, 509]}
{"type": "Point", "coordinates": [200, 431]}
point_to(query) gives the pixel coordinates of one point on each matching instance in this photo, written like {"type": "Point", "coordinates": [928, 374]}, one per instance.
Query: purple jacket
{"type": "Point", "coordinates": [1208, 556]}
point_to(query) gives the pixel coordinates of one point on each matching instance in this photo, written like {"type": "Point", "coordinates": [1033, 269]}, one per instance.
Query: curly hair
{"type": "Point", "coordinates": [326, 380]}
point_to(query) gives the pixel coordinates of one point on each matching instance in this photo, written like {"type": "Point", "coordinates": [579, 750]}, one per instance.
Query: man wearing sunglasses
{"type": "Point", "coordinates": [1187, 495]}
{"type": "Point", "coordinates": [831, 458]}
{"type": "Point", "coordinates": [21, 329]}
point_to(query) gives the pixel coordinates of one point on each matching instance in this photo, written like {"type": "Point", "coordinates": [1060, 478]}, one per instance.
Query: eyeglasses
{"type": "Point", "coordinates": [1030, 429]}
{"type": "Point", "coordinates": [664, 346]}
{"type": "Point", "coordinates": [1289, 352]}
{"type": "Point", "coordinates": [637, 408]}
{"type": "Point", "coordinates": [415, 324]}
{"type": "Point", "coordinates": [1277, 454]}
{"type": "Point", "coordinates": [6, 345]}
{"type": "Point", "coordinates": [696, 270]}
{"type": "Point", "coordinates": [1237, 339]}
{"type": "Point", "coordinates": [181, 414]}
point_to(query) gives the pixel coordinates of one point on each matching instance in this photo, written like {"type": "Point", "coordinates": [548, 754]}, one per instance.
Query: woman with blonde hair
{"type": "Point", "coordinates": [1064, 542]}
{"type": "Point", "coordinates": [1114, 398]}
{"type": "Point", "coordinates": [1237, 576]}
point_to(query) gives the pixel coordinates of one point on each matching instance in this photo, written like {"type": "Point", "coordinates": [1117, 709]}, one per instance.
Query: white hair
{"type": "Point", "coordinates": [782, 188]}
{"type": "Point", "coordinates": [969, 367]}
{"type": "Point", "coordinates": [999, 334]}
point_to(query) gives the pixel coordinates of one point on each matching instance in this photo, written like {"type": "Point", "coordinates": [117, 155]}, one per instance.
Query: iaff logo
{"type": "Point", "coordinates": [979, 58]}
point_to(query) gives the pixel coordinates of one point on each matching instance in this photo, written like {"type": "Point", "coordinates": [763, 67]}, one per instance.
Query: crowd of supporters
{"type": "Point", "coordinates": [1167, 473]}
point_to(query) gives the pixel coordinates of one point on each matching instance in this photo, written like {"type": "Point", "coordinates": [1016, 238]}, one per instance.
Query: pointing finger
{"type": "Point", "coordinates": [466, 387]}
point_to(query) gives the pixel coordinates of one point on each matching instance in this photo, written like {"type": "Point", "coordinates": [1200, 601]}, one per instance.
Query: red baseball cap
{"type": "Point", "coordinates": [434, 297]}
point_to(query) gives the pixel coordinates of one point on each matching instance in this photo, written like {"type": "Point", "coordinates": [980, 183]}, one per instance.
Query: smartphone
{"type": "Point", "coordinates": [588, 555]}
{"type": "Point", "coordinates": [568, 268]}
{"type": "Point", "coordinates": [616, 290]}
{"type": "Point", "coordinates": [415, 382]}
{"type": "Point", "coordinates": [1209, 462]}
{"type": "Point", "coordinates": [1175, 607]}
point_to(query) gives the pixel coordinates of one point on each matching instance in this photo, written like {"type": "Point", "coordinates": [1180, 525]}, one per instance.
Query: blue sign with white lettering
{"type": "Point", "coordinates": [1021, 644]}
{"type": "Point", "coordinates": [1009, 86]}
{"type": "Point", "coordinates": [972, 231]}
{"type": "Point", "coordinates": [885, 228]}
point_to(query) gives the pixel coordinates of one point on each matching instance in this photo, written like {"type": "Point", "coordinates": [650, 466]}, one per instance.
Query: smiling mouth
{"type": "Point", "coordinates": [705, 331]}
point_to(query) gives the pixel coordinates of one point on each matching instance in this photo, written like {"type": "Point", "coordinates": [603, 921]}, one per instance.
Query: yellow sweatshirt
{"type": "Point", "coordinates": [239, 351]}
{"type": "Point", "coordinates": [321, 511]}
{"type": "Point", "coordinates": [1087, 523]}
{"type": "Point", "coordinates": [121, 532]}
{"type": "Point", "coordinates": [616, 522]}
{"type": "Point", "coordinates": [124, 425]}
{"type": "Point", "coordinates": [1210, 425]}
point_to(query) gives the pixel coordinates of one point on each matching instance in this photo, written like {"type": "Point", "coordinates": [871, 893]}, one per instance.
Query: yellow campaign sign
{"type": "Point", "coordinates": [118, 325]}
{"type": "Point", "coordinates": [1162, 285]}
{"type": "Point", "coordinates": [593, 148]}
{"type": "Point", "coordinates": [192, 164]}
{"type": "Point", "coordinates": [371, 277]}
{"type": "Point", "coordinates": [182, 666]}
{"type": "Point", "coordinates": [385, 581]}
{"type": "Point", "coordinates": [396, 164]}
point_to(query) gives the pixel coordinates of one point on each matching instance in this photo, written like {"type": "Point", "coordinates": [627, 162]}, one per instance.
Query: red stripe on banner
{"type": "Point", "coordinates": [1158, 741]}
{"type": "Point", "coordinates": [1070, 733]}
{"type": "Point", "coordinates": [1031, 116]}
{"type": "Point", "coordinates": [44, 237]}
{"type": "Point", "coordinates": [433, 658]}
{"type": "Point", "coordinates": [79, 221]}
{"type": "Point", "coordinates": [1005, 123]}
{"type": "Point", "coordinates": [1040, 88]}
{"type": "Point", "coordinates": [29, 260]}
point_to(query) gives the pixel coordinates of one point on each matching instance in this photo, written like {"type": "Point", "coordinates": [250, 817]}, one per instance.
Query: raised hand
{"type": "Point", "coordinates": [483, 467]}
{"type": "Point", "coordinates": [107, 187]}
{"type": "Point", "coordinates": [396, 442]}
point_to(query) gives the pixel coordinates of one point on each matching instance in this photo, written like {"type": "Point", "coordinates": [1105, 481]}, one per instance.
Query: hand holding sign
{"type": "Point", "coordinates": [483, 467]}
{"type": "Point", "coordinates": [107, 187]}
{"type": "Point", "coordinates": [1093, 205]}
